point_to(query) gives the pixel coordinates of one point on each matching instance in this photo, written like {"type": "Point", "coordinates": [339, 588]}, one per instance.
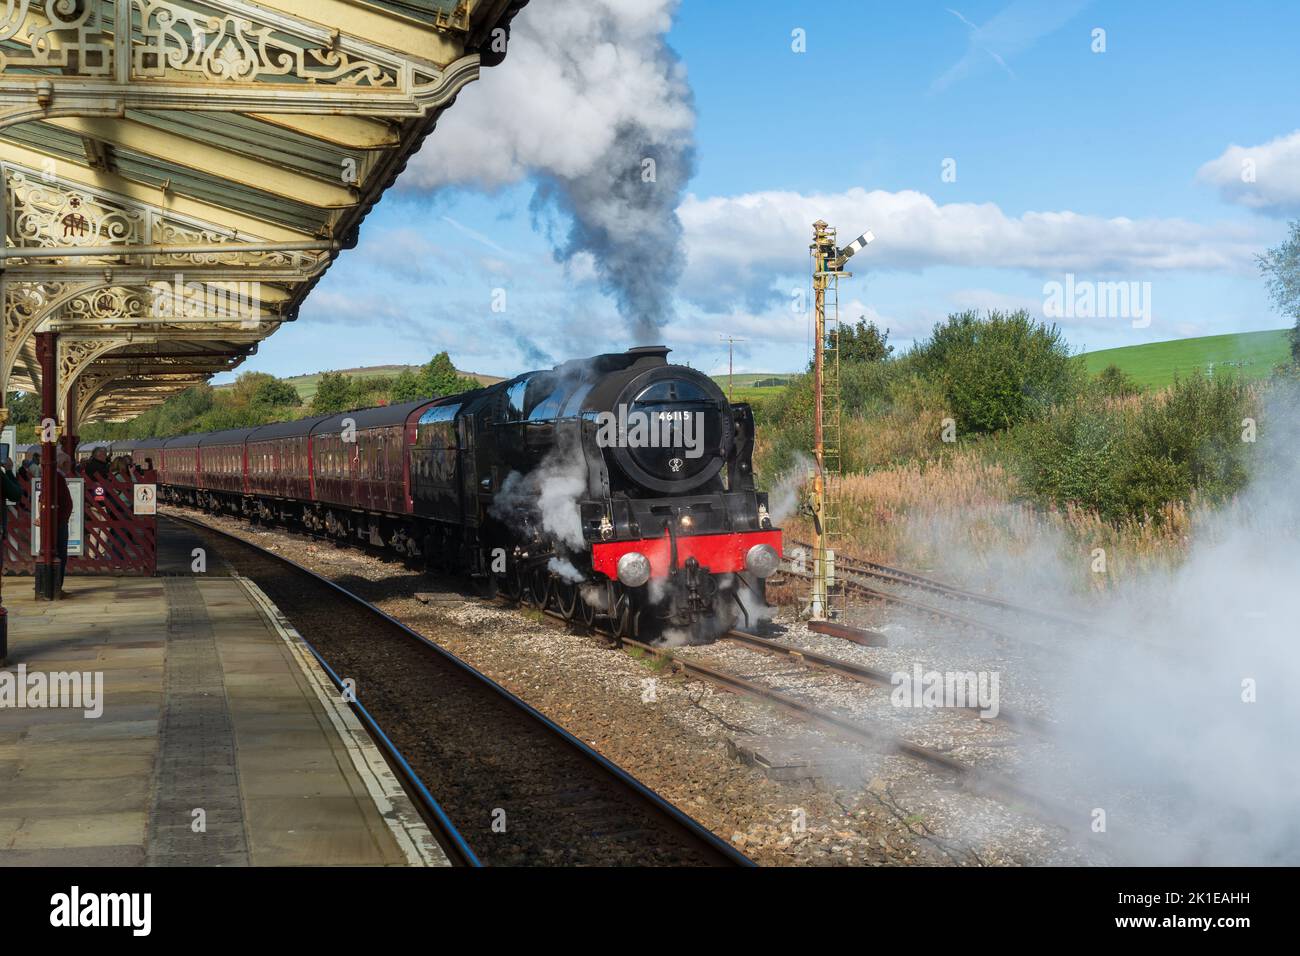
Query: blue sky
{"type": "Point", "coordinates": [1112, 166]}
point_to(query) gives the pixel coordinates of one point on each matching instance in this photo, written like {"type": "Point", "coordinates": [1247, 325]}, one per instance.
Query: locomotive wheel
{"type": "Point", "coordinates": [543, 587]}
{"type": "Point", "coordinates": [625, 619]}
{"type": "Point", "coordinates": [567, 599]}
{"type": "Point", "coordinates": [585, 613]}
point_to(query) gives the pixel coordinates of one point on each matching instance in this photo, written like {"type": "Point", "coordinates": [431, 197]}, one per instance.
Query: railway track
{"type": "Point", "coordinates": [512, 787]}
{"type": "Point", "coordinates": [853, 570]}
{"type": "Point", "coordinates": [858, 587]}
{"type": "Point", "coordinates": [969, 777]}
{"type": "Point", "coordinates": [864, 674]}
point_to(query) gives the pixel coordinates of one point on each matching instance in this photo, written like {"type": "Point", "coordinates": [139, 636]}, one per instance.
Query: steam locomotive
{"type": "Point", "coordinates": [618, 486]}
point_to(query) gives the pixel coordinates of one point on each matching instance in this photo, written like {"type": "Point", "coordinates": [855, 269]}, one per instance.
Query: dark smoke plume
{"type": "Point", "coordinates": [628, 225]}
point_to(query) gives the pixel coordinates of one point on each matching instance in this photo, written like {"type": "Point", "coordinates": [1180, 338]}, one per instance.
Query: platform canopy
{"type": "Point", "coordinates": [178, 175]}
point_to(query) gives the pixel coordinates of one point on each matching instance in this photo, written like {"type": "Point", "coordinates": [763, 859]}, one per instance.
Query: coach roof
{"type": "Point", "coordinates": [370, 417]}
{"type": "Point", "coordinates": [298, 428]}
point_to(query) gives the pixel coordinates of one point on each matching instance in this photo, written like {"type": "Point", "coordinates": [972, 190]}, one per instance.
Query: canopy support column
{"type": "Point", "coordinates": [47, 353]}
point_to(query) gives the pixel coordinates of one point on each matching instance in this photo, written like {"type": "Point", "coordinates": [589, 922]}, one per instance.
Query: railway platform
{"type": "Point", "coordinates": [178, 720]}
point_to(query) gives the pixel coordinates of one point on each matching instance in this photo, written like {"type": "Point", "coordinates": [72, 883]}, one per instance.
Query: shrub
{"type": "Point", "coordinates": [999, 370]}
{"type": "Point", "coordinates": [863, 342]}
{"type": "Point", "coordinates": [1130, 459]}
{"type": "Point", "coordinates": [1073, 456]}
{"type": "Point", "coordinates": [1114, 382]}
{"type": "Point", "coordinates": [333, 394]}
{"type": "Point", "coordinates": [1197, 426]}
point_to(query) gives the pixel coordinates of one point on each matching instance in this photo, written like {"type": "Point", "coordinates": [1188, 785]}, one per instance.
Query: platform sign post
{"type": "Point", "coordinates": [146, 499]}
{"type": "Point", "coordinates": [76, 521]}
{"type": "Point", "coordinates": [46, 577]}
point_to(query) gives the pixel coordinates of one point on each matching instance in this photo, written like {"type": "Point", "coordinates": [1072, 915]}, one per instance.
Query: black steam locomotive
{"type": "Point", "coordinates": [618, 485]}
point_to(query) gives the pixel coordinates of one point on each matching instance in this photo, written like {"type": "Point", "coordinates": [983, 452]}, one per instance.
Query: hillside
{"type": "Point", "coordinates": [306, 384]}
{"type": "Point", "coordinates": [745, 387]}
{"type": "Point", "coordinates": [1250, 355]}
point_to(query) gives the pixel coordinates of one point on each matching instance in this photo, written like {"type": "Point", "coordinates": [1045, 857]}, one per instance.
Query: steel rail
{"type": "Point", "coordinates": [911, 579]}
{"type": "Point", "coordinates": [1047, 809]}
{"type": "Point", "coordinates": [864, 674]}
{"type": "Point", "coordinates": [890, 598]}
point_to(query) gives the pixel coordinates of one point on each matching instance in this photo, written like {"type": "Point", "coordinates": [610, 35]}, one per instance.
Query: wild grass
{"type": "Point", "coordinates": [964, 510]}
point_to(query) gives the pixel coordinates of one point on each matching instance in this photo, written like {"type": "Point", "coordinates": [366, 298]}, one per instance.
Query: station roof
{"type": "Point", "coordinates": [178, 174]}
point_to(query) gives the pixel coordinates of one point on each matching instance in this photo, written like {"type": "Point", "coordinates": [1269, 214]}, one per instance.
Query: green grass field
{"type": "Point", "coordinates": [1250, 355]}
{"type": "Point", "coordinates": [306, 384]}
{"type": "Point", "coordinates": [744, 389]}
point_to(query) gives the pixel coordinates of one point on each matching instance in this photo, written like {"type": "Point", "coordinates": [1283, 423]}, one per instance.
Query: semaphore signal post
{"type": "Point", "coordinates": [828, 261]}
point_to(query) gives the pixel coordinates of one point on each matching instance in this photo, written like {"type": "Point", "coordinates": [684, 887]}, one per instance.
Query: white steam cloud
{"type": "Point", "coordinates": [1176, 711]}
{"type": "Point", "coordinates": [786, 494]}
{"type": "Point", "coordinates": [592, 103]}
{"type": "Point", "coordinates": [1191, 710]}
{"type": "Point", "coordinates": [544, 502]}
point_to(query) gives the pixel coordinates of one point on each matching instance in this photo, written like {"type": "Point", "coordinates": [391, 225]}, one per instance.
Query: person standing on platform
{"type": "Point", "coordinates": [12, 491]}
{"type": "Point", "coordinates": [65, 515]}
{"type": "Point", "coordinates": [97, 466]}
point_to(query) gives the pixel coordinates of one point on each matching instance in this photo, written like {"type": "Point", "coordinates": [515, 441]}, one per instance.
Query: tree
{"type": "Point", "coordinates": [439, 377]}
{"type": "Point", "coordinates": [24, 408]}
{"type": "Point", "coordinates": [407, 387]}
{"type": "Point", "coordinates": [863, 342]}
{"type": "Point", "coordinates": [1281, 268]}
{"type": "Point", "coordinates": [1114, 382]}
{"type": "Point", "coordinates": [276, 392]}
{"type": "Point", "coordinates": [998, 370]}
{"type": "Point", "coordinates": [245, 387]}
{"type": "Point", "coordinates": [332, 394]}
{"type": "Point", "coordinates": [368, 391]}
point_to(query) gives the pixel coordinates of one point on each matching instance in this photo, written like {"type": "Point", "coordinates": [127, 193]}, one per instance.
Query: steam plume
{"type": "Point", "coordinates": [593, 103]}
{"type": "Point", "coordinates": [1176, 715]}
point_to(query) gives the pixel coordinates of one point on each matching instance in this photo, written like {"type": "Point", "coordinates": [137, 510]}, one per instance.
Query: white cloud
{"type": "Point", "coordinates": [1264, 177]}
{"type": "Point", "coordinates": [744, 249]}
